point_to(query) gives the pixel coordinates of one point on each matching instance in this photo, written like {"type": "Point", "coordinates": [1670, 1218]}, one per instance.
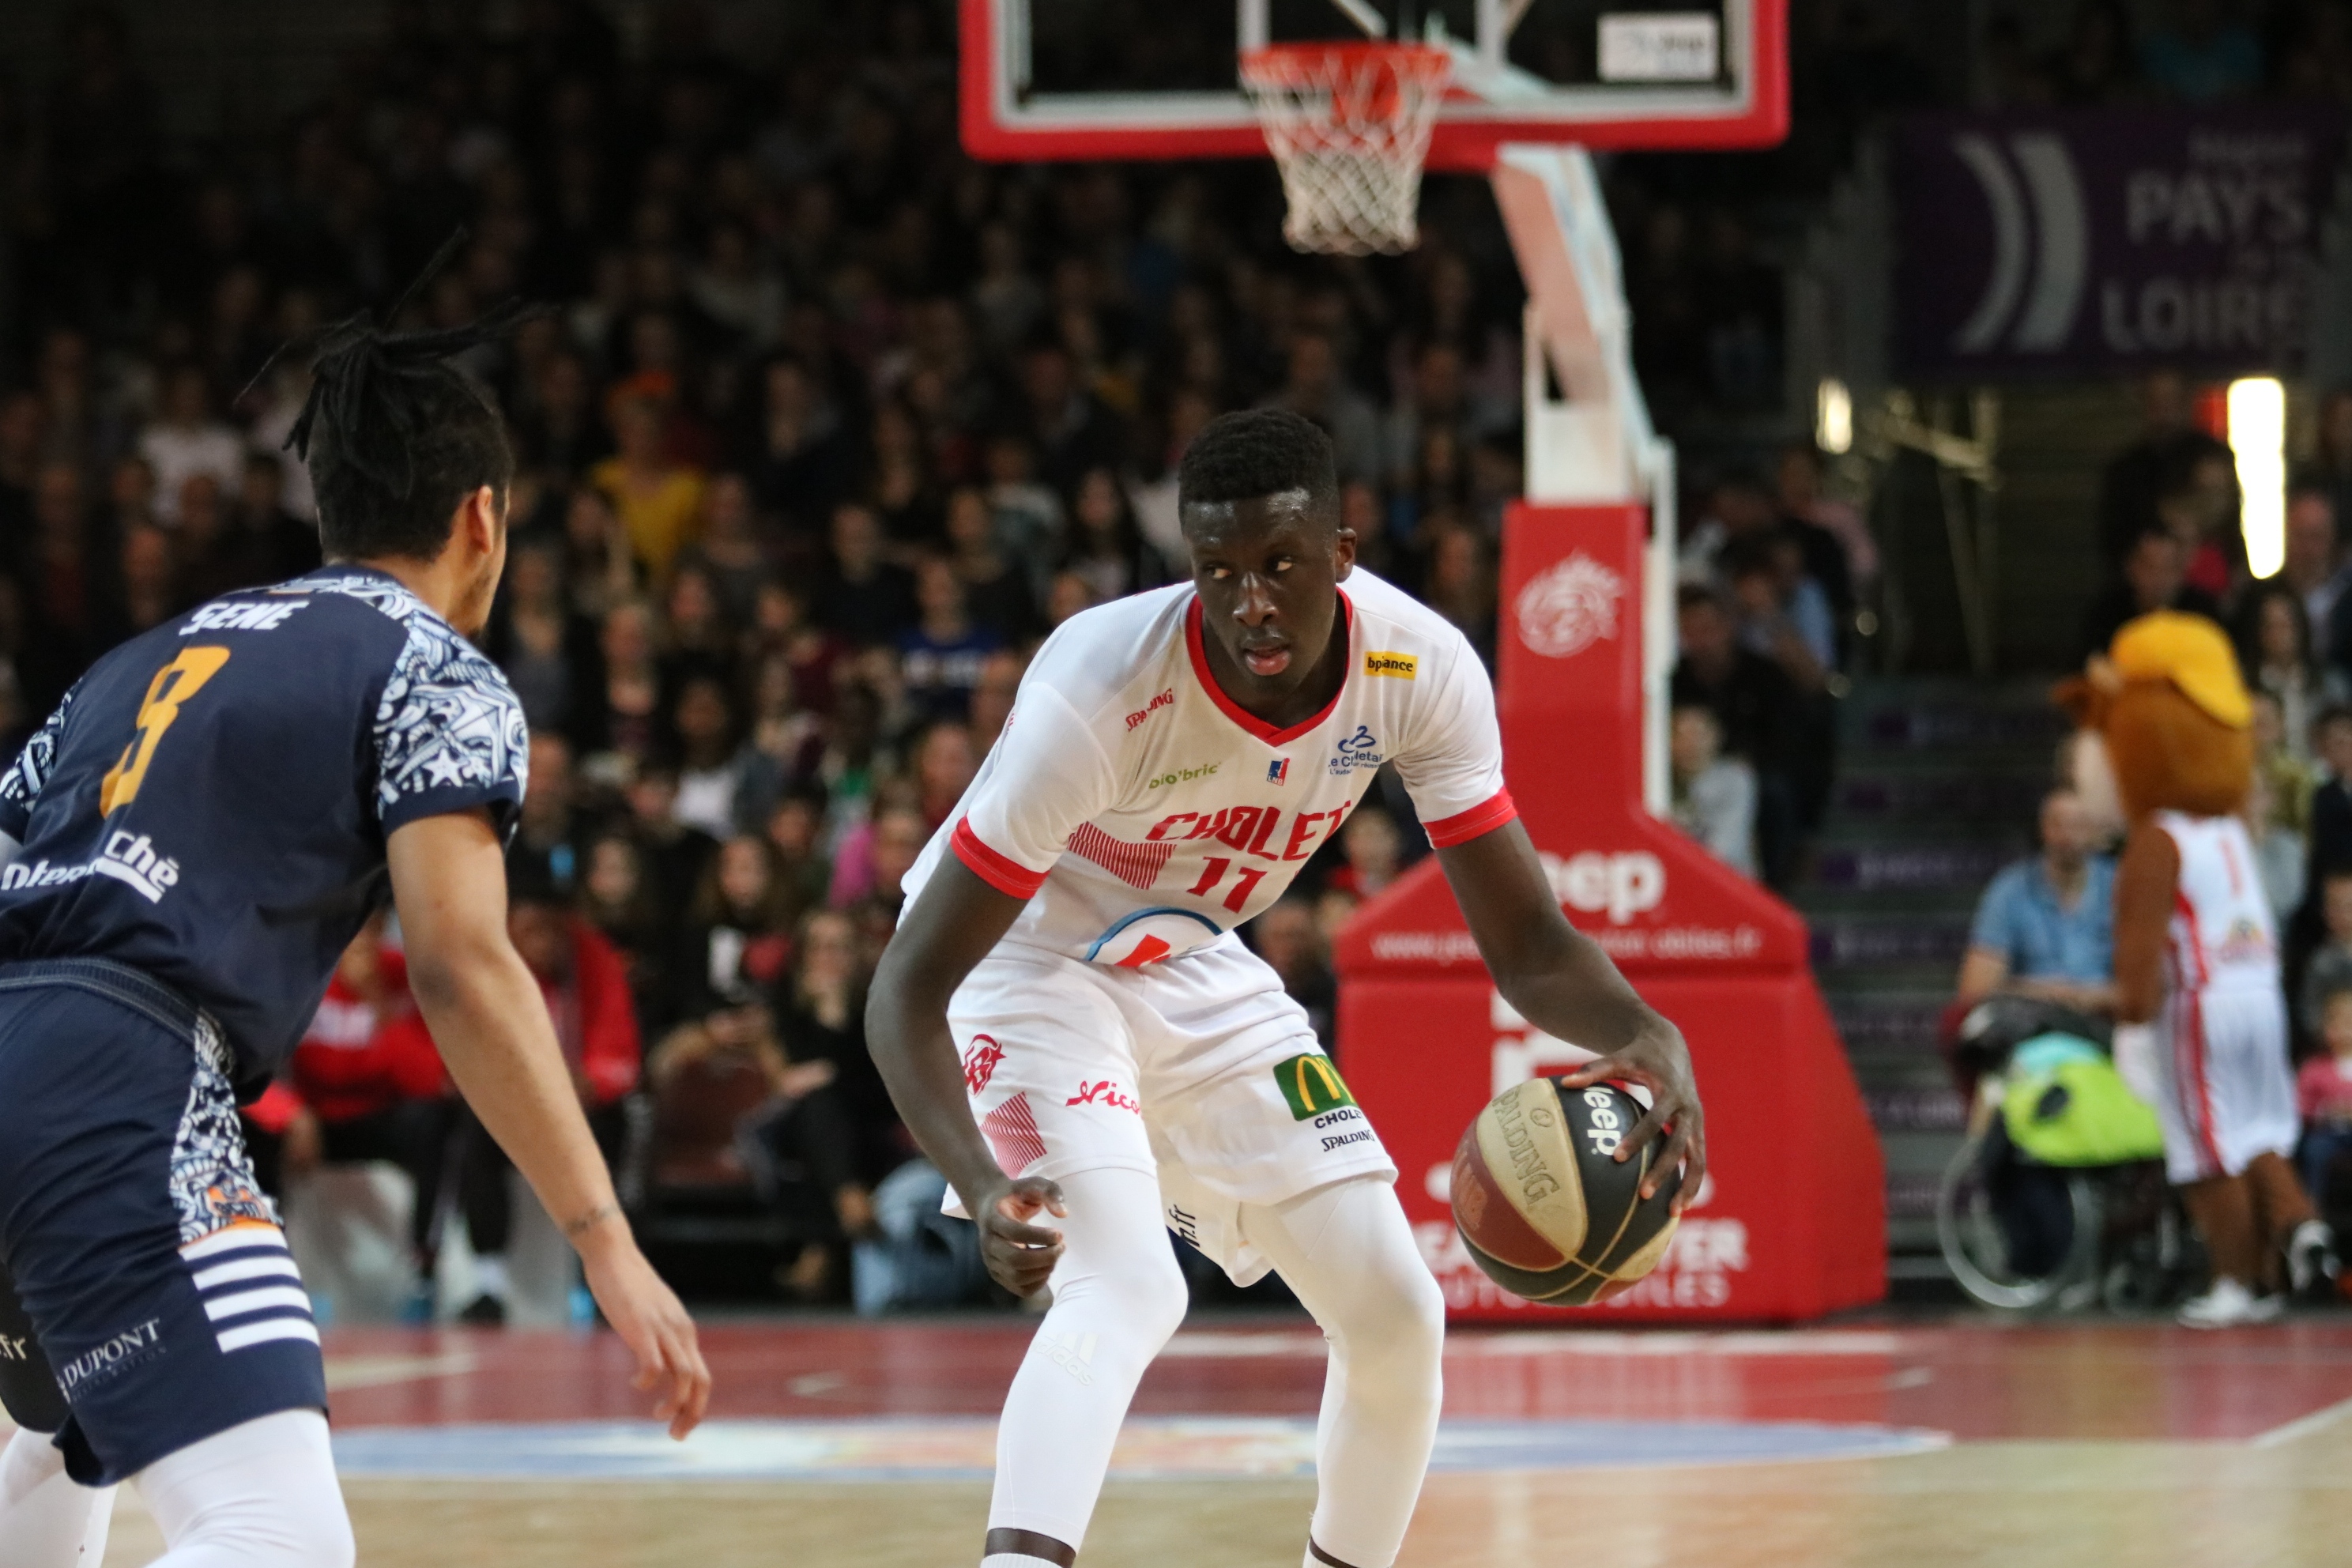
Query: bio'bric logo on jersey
{"type": "Point", "coordinates": [1361, 750]}
{"type": "Point", "coordinates": [1183, 775]}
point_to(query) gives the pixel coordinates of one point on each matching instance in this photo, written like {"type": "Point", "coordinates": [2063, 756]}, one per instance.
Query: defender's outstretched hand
{"type": "Point", "coordinates": [1658, 1060]}
{"type": "Point", "coordinates": [653, 1323]}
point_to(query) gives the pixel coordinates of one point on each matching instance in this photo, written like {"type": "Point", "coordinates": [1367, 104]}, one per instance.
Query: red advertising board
{"type": "Point", "coordinates": [1791, 1222]}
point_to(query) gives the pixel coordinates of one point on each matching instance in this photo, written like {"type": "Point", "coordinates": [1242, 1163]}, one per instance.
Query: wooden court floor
{"type": "Point", "coordinates": [2121, 1446]}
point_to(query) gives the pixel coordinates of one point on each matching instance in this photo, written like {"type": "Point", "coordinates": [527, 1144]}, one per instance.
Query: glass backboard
{"type": "Point", "coordinates": [1060, 79]}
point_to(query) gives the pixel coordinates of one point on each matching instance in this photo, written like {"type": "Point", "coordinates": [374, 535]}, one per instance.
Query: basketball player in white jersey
{"type": "Point", "coordinates": [1074, 1034]}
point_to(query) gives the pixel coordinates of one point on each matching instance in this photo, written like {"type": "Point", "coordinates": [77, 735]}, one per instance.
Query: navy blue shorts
{"type": "Point", "coordinates": [163, 1304]}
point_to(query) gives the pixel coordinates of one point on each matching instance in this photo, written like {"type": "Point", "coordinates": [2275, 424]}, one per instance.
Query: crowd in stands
{"type": "Point", "coordinates": [829, 428]}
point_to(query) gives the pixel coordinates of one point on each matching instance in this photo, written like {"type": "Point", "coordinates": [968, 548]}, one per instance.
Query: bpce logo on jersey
{"type": "Point", "coordinates": [1359, 749]}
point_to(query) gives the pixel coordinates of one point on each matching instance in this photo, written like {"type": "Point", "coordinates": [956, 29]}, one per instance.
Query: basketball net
{"type": "Point", "coordinates": [1349, 126]}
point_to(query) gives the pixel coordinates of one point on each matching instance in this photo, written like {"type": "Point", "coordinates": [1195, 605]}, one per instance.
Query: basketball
{"type": "Point", "coordinates": [1543, 1205]}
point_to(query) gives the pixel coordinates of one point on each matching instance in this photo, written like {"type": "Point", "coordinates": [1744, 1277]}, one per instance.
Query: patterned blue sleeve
{"type": "Point", "coordinates": [20, 786]}
{"type": "Point", "coordinates": [450, 733]}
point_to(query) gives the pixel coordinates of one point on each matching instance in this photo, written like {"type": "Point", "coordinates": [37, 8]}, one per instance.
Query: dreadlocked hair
{"type": "Point", "coordinates": [1257, 452]}
{"type": "Point", "coordinates": [395, 436]}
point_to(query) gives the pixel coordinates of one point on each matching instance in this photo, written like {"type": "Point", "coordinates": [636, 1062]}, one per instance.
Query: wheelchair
{"type": "Point", "coordinates": [2057, 1200]}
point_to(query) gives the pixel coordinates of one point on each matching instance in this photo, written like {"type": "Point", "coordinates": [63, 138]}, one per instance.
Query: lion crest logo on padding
{"type": "Point", "coordinates": [1569, 606]}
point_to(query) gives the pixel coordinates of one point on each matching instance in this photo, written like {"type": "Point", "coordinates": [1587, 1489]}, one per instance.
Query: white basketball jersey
{"type": "Point", "coordinates": [1144, 814]}
{"type": "Point", "coordinates": [2221, 936]}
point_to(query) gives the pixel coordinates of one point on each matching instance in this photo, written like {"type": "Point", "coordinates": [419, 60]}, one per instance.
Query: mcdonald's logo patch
{"type": "Point", "coordinates": [1403, 666]}
{"type": "Point", "coordinates": [1311, 1085]}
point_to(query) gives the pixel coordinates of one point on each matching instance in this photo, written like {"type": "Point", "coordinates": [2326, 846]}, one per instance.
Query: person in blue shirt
{"type": "Point", "coordinates": [2045, 926]}
{"type": "Point", "coordinates": [185, 846]}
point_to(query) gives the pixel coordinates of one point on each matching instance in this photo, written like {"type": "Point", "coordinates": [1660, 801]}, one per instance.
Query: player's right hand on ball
{"type": "Point", "coordinates": [1020, 1255]}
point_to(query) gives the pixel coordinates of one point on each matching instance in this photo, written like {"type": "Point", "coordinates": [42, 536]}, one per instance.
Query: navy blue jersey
{"type": "Point", "coordinates": [209, 804]}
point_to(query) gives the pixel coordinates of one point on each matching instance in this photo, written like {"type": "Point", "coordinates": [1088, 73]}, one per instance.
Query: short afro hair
{"type": "Point", "coordinates": [1258, 452]}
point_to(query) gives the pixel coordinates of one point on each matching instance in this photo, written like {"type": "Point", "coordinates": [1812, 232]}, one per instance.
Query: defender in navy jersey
{"type": "Point", "coordinates": [186, 847]}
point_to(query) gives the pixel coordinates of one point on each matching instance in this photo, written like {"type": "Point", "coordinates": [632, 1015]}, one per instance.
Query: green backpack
{"type": "Point", "coordinates": [2066, 1105]}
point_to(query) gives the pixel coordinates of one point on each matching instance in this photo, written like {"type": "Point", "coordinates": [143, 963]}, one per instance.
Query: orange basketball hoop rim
{"type": "Point", "coordinates": [1349, 126]}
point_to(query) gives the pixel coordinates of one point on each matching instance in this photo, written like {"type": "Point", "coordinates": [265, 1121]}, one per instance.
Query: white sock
{"type": "Point", "coordinates": [1347, 1252]}
{"type": "Point", "coordinates": [46, 1519]}
{"type": "Point", "coordinates": [490, 1277]}
{"type": "Point", "coordinates": [1015, 1560]}
{"type": "Point", "coordinates": [1117, 1295]}
{"type": "Point", "coordinates": [260, 1495]}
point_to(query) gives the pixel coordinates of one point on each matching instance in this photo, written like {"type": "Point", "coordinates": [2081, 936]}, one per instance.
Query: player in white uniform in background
{"type": "Point", "coordinates": [1072, 1030]}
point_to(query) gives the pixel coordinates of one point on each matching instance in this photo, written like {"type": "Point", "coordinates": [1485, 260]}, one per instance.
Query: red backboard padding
{"type": "Point", "coordinates": [1793, 1223]}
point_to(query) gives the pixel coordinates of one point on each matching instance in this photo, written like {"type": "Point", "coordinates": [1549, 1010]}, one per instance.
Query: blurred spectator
{"type": "Point", "coordinates": [187, 440]}
{"type": "Point", "coordinates": [2097, 64]}
{"type": "Point", "coordinates": [620, 900]}
{"type": "Point", "coordinates": [2329, 968]}
{"type": "Point", "coordinates": [2154, 577]}
{"type": "Point", "coordinates": [2317, 571]}
{"type": "Point", "coordinates": [2290, 771]}
{"type": "Point", "coordinates": [268, 542]}
{"type": "Point", "coordinates": [2324, 1097]}
{"type": "Point", "coordinates": [1288, 938]}
{"type": "Point", "coordinates": [1797, 486]}
{"type": "Point", "coordinates": [865, 597]}
{"type": "Point", "coordinates": [804, 463]}
{"type": "Point", "coordinates": [1783, 614]}
{"type": "Point", "coordinates": [2198, 505]}
{"type": "Point", "coordinates": [2275, 648]}
{"type": "Point", "coordinates": [940, 656]}
{"type": "Point", "coordinates": [1758, 710]}
{"type": "Point", "coordinates": [1374, 852]}
{"type": "Point", "coordinates": [727, 550]}
{"type": "Point", "coordinates": [992, 698]}
{"type": "Point", "coordinates": [2200, 52]}
{"type": "Point", "coordinates": [552, 657]}
{"type": "Point", "coordinates": [66, 621]}
{"type": "Point", "coordinates": [628, 720]}
{"type": "Point", "coordinates": [2329, 827]}
{"type": "Point", "coordinates": [584, 983]}
{"type": "Point", "coordinates": [996, 596]}
{"type": "Point", "coordinates": [1027, 513]}
{"type": "Point", "coordinates": [1460, 587]}
{"type": "Point", "coordinates": [1104, 547]}
{"type": "Point", "coordinates": [2134, 479]}
{"type": "Point", "coordinates": [722, 782]}
{"type": "Point", "coordinates": [2046, 928]}
{"type": "Point", "coordinates": [549, 828]}
{"type": "Point", "coordinates": [1318, 388]}
{"type": "Point", "coordinates": [1714, 795]}
{"type": "Point", "coordinates": [365, 1083]}
{"type": "Point", "coordinates": [2279, 848]}
{"type": "Point", "coordinates": [658, 499]}
{"type": "Point", "coordinates": [739, 935]}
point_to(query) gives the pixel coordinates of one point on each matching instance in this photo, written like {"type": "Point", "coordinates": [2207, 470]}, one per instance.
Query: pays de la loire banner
{"type": "Point", "coordinates": [2090, 241]}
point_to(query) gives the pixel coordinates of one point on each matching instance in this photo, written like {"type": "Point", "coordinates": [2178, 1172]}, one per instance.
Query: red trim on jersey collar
{"type": "Point", "coordinates": [1001, 872]}
{"type": "Point", "coordinates": [1243, 716]}
{"type": "Point", "coordinates": [1465, 826]}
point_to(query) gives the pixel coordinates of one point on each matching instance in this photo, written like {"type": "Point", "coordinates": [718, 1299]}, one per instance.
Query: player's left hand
{"type": "Point", "coordinates": [652, 1322]}
{"type": "Point", "coordinates": [1658, 1060]}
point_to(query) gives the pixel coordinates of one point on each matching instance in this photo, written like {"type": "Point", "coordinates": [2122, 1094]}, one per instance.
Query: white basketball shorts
{"type": "Point", "coordinates": [1197, 1069]}
{"type": "Point", "coordinates": [2228, 1089]}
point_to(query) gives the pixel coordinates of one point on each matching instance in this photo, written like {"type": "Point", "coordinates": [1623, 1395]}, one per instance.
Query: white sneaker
{"type": "Point", "coordinates": [2228, 1305]}
{"type": "Point", "coordinates": [2310, 1256]}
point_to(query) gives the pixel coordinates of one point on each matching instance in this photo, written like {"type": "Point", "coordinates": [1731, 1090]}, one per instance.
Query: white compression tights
{"type": "Point", "coordinates": [1346, 1250]}
{"type": "Point", "coordinates": [260, 1495]}
{"type": "Point", "coordinates": [47, 1521]}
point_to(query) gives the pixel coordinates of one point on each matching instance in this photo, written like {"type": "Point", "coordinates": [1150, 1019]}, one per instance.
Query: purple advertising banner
{"type": "Point", "coordinates": [2091, 241]}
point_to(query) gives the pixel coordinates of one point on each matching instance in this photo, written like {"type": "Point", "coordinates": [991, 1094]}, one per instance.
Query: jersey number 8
{"type": "Point", "coordinates": [174, 684]}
